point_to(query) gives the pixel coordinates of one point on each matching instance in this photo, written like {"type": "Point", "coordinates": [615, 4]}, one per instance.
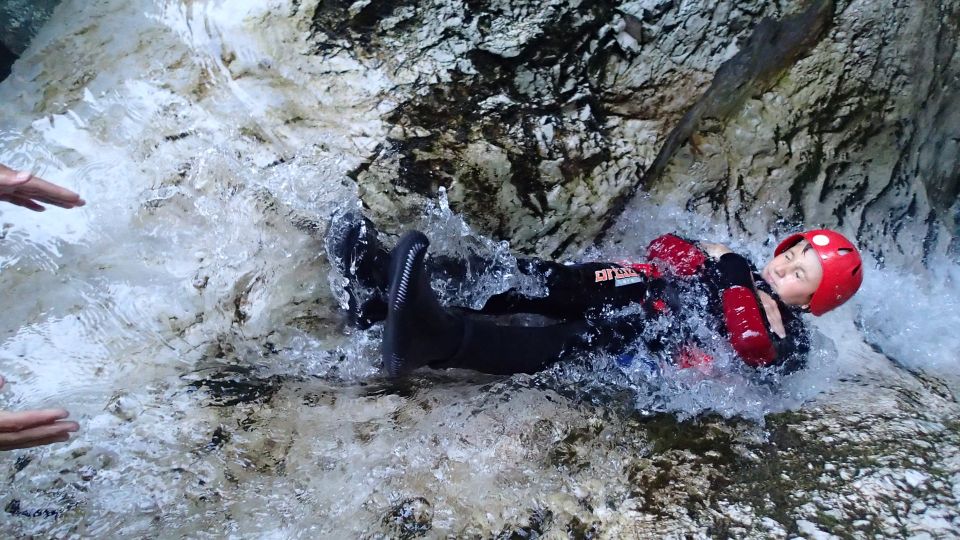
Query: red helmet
{"type": "Point", "coordinates": [842, 267]}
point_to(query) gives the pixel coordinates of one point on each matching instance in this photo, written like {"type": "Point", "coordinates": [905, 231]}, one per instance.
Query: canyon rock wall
{"type": "Point", "coordinates": [543, 119]}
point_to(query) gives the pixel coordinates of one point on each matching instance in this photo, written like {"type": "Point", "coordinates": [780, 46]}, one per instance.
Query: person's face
{"type": "Point", "coordinates": [795, 274]}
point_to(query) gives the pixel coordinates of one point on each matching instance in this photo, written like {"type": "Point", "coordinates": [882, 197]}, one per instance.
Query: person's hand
{"type": "Point", "coordinates": [715, 251]}
{"type": "Point", "coordinates": [24, 189]}
{"type": "Point", "coordinates": [27, 429]}
{"type": "Point", "coordinates": [773, 314]}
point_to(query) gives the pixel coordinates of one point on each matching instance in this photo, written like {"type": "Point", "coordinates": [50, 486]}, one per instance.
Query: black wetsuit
{"type": "Point", "coordinates": [601, 306]}
{"type": "Point", "coordinates": [591, 314]}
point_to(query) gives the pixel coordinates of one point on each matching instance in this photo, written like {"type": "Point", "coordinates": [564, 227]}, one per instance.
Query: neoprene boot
{"type": "Point", "coordinates": [353, 248]}
{"type": "Point", "coordinates": [419, 331]}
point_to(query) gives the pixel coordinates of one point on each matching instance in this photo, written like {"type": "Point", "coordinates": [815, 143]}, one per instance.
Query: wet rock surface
{"type": "Point", "coordinates": [541, 116]}
{"type": "Point", "coordinates": [227, 395]}
{"type": "Point", "coordinates": [836, 140]}
{"type": "Point", "coordinates": [546, 118]}
{"type": "Point", "coordinates": [452, 455]}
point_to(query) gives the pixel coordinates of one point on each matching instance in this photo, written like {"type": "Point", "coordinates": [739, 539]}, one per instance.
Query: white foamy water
{"type": "Point", "coordinates": [184, 315]}
{"type": "Point", "coordinates": [913, 317]}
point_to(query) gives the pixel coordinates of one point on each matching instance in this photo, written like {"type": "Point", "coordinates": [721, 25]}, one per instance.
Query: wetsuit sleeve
{"type": "Point", "coordinates": [679, 255]}
{"type": "Point", "coordinates": [743, 313]}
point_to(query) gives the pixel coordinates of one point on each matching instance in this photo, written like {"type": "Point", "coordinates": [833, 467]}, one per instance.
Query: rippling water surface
{"type": "Point", "coordinates": [185, 315]}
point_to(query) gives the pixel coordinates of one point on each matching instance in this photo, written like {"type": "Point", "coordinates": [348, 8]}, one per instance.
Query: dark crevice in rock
{"type": "Point", "coordinates": [930, 239]}
{"type": "Point", "coordinates": [562, 246]}
{"type": "Point", "coordinates": [7, 58]}
{"type": "Point", "coordinates": [577, 529]}
{"type": "Point", "coordinates": [22, 462]}
{"type": "Point", "coordinates": [854, 197]}
{"type": "Point", "coordinates": [869, 225]}
{"type": "Point", "coordinates": [410, 518]}
{"type": "Point", "coordinates": [233, 385]}
{"type": "Point", "coordinates": [715, 197]}
{"type": "Point", "coordinates": [16, 508]}
{"type": "Point", "coordinates": [218, 439]}
{"type": "Point", "coordinates": [538, 524]}
{"type": "Point", "coordinates": [748, 201]}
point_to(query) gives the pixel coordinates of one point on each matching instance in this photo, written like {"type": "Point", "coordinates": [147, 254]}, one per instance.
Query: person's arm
{"type": "Point", "coordinates": [743, 312]}
{"type": "Point", "coordinates": [789, 333]}
{"type": "Point", "coordinates": [27, 429]}
{"type": "Point", "coordinates": [23, 189]}
{"type": "Point", "coordinates": [772, 311]}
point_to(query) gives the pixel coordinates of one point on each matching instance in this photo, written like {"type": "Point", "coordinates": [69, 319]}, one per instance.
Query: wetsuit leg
{"type": "Point", "coordinates": [504, 350]}
{"type": "Point", "coordinates": [573, 291]}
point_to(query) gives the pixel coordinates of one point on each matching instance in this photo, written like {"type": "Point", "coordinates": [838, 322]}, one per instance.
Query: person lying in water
{"type": "Point", "coordinates": [598, 306]}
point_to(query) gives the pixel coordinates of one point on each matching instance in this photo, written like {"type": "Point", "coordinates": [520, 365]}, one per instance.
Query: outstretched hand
{"type": "Point", "coordinates": [23, 189]}
{"type": "Point", "coordinates": [27, 429]}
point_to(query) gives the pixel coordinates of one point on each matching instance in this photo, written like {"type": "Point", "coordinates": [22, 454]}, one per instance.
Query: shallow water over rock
{"type": "Point", "coordinates": [186, 316]}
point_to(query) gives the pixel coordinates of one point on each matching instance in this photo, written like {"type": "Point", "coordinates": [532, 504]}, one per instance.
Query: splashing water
{"type": "Point", "coordinates": [912, 318]}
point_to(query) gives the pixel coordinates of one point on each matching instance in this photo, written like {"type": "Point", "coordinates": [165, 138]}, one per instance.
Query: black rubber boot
{"type": "Point", "coordinates": [353, 249]}
{"type": "Point", "coordinates": [419, 331]}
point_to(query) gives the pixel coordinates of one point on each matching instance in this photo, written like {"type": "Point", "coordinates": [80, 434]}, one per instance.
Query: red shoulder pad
{"type": "Point", "coordinates": [680, 256]}
{"type": "Point", "coordinates": [747, 331]}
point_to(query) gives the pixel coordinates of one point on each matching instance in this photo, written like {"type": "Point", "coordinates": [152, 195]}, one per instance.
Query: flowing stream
{"type": "Point", "coordinates": [188, 318]}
